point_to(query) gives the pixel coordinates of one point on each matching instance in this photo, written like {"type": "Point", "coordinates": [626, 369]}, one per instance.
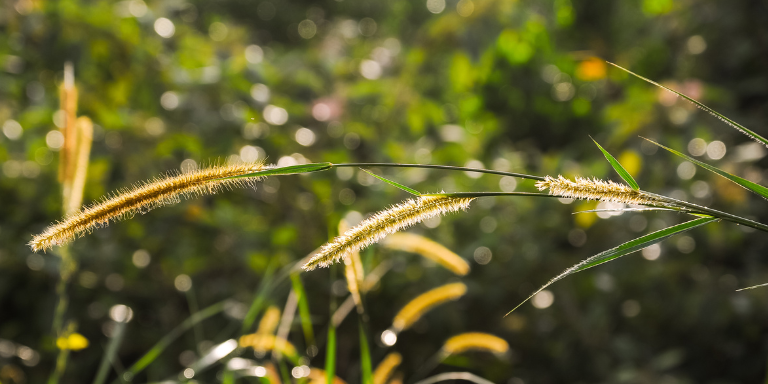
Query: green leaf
{"type": "Point", "coordinates": [624, 249]}
{"type": "Point", "coordinates": [330, 355]}
{"type": "Point", "coordinates": [173, 335]}
{"type": "Point", "coordinates": [754, 187]}
{"type": "Point", "coordinates": [259, 297]}
{"type": "Point", "coordinates": [365, 357]}
{"type": "Point", "coordinates": [617, 166]}
{"type": "Point", "coordinates": [289, 170]}
{"type": "Point", "coordinates": [304, 314]}
{"type": "Point", "coordinates": [744, 130]}
{"type": "Point", "coordinates": [390, 182]}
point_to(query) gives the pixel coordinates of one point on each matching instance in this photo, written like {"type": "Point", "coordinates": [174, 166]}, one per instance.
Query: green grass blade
{"type": "Point", "coordinates": [619, 168]}
{"type": "Point", "coordinates": [260, 297]}
{"type": "Point", "coordinates": [330, 355]}
{"type": "Point", "coordinates": [733, 124]}
{"type": "Point", "coordinates": [109, 355]}
{"type": "Point", "coordinates": [395, 184]}
{"type": "Point", "coordinates": [754, 187]}
{"type": "Point", "coordinates": [289, 170]}
{"type": "Point", "coordinates": [161, 345]}
{"type": "Point", "coordinates": [624, 249]}
{"type": "Point", "coordinates": [304, 314]}
{"type": "Point", "coordinates": [365, 356]}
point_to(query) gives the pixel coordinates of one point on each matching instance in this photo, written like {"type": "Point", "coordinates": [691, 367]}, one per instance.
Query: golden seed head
{"type": "Point", "coordinates": [268, 342]}
{"type": "Point", "coordinates": [383, 223]}
{"type": "Point", "coordinates": [475, 341]}
{"type": "Point", "coordinates": [409, 242]}
{"type": "Point", "coordinates": [417, 307]}
{"type": "Point", "coordinates": [142, 198]}
{"type": "Point", "coordinates": [269, 321]}
{"type": "Point", "coordinates": [596, 189]}
{"type": "Point", "coordinates": [387, 366]}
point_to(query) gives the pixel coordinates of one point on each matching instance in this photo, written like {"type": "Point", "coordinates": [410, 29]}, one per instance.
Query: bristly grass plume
{"type": "Point", "coordinates": [596, 189]}
{"type": "Point", "coordinates": [383, 223]}
{"type": "Point", "coordinates": [143, 198]}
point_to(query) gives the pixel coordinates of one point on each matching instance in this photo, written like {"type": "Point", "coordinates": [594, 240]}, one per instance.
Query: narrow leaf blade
{"type": "Point", "coordinates": [365, 357]}
{"type": "Point", "coordinates": [304, 314]}
{"type": "Point", "coordinates": [619, 168]}
{"type": "Point", "coordinates": [733, 124]}
{"type": "Point", "coordinates": [754, 187]}
{"type": "Point", "coordinates": [289, 170]}
{"type": "Point", "coordinates": [330, 355]}
{"type": "Point", "coordinates": [395, 184]}
{"type": "Point", "coordinates": [624, 249]}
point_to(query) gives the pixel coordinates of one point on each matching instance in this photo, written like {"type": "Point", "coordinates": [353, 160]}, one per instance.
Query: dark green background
{"type": "Point", "coordinates": [486, 74]}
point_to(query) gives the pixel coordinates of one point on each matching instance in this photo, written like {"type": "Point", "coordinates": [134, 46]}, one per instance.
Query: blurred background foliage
{"type": "Point", "coordinates": [508, 85]}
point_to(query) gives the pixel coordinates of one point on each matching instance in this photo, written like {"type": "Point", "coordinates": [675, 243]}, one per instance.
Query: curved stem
{"type": "Point", "coordinates": [435, 166]}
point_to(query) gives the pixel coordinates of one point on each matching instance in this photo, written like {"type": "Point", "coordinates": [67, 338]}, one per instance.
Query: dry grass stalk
{"type": "Point", "coordinates": [383, 223]}
{"type": "Point", "coordinates": [317, 376]}
{"type": "Point", "coordinates": [432, 250]}
{"type": "Point", "coordinates": [417, 307]}
{"type": "Point", "coordinates": [267, 342]}
{"type": "Point", "coordinates": [141, 199]}
{"type": "Point", "coordinates": [475, 341]}
{"type": "Point", "coordinates": [68, 104]}
{"type": "Point", "coordinates": [74, 184]}
{"type": "Point", "coordinates": [596, 189]}
{"type": "Point", "coordinates": [269, 321]}
{"type": "Point", "coordinates": [353, 271]}
{"type": "Point", "coordinates": [387, 366]}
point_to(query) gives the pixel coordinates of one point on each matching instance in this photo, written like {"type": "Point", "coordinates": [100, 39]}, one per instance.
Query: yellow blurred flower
{"type": "Point", "coordinates": [73, 341]}
{"type": "Point", "coordinates": [591, 69]}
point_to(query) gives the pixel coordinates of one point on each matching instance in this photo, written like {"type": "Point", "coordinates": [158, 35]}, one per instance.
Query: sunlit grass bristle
{"type": "Point", "coordinates": [417, 307]}
{"type": "Point", "coordinates": [383, 223]}
{"type": "Point", "coordinates": [142, 198]}
{"type": "Point", "coordinates": [386, 368]}
{"type": "Point", "coordinates": [409, 242]}
{"type": "Point", "coordinates": [268, 342]}
{"type": "Point", "coordinates": [475, 341]}
{"type": "Point", "coordinates": [596, 189]}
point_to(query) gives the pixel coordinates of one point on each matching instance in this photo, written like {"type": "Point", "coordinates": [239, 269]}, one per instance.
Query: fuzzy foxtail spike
{"type": "Point", "coordinates": [596, 189]}
{"type": "Point", "coordinates": [142, 198]}
{"type": "Point", "coordinates": [383, 223]}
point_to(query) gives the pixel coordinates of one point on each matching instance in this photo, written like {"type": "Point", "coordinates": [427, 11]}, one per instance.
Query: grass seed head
{"type": "Point", "coordinates": [383, 223]}
{"type": "Point", "coordinates": [596, 189]}
{"type": "Point", "coordinates": [417, 307]}
{"type": "Point", "coordinates": [387, 366]}
{"type": "Point", "coordinates": [409, 242]}
{"type": "Point", "coordinates": [475, 341]}
{"type": "Point", "coordinates": [142, 198]}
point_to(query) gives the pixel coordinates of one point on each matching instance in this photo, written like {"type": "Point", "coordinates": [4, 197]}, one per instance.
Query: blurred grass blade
{"type": "Point", "coordinates": [752, 287]}
{"type": "Point", "coordinates": [392, 183]}
{"type": "Point", "coordinates": [365, 356]}
{"type": "Point", "coordinates": [258, 300]}
{"type": "Point", "coordinates": [304, 314]}
{"type": "Point", "coordinates": [466, 376]}
{"type": "Point", "coordinates": [330, 355]}
{"type": "Point", "coordinates": [153, 353]}
{"type": "Point", "coordinates": [289, 170]}
{"type": "Point", "coordinates": [618, 167]}
{"type": "Point", "coordinates": [754, 187]}
{"type": "Point", "coordinates": [109, 355]}
{"type": "Point", "coordinates": [623, 249]}
{"type": "Point", "coordinates": [728, 121]}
